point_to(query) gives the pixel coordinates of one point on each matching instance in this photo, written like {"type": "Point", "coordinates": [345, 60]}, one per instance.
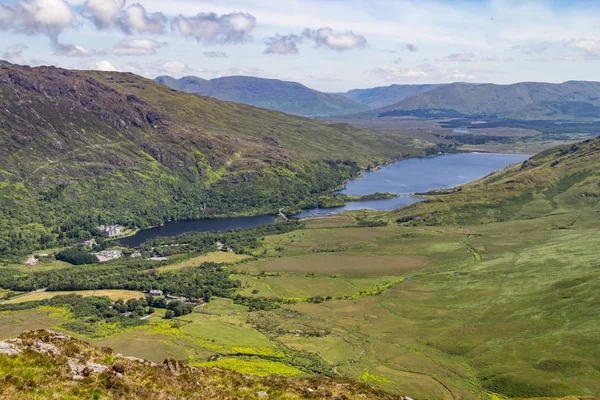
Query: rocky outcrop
{"type": "Point", "coordinates": [71, 368]}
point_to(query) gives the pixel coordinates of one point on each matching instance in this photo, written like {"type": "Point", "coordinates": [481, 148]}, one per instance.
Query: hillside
{"type": "Point", "coordinates": [556, 110]}
{"type": "Point", "coordinates": [560, 179]}
{"type": "Point", "coordinates": [273, 94]}
{"type": "Point", "coordinates": [46, 364]}
{"type": "Point", "coordinates": [383, 96]}
{"type": "Point", "coordinates": [498, 99]}
{"type": "Point", "coordinates": [80, 149]}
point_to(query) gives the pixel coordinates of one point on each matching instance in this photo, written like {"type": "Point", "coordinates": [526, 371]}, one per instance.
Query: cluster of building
{"type": "Point", "coordinates": [108, 255]}
{"type": "Point", "coordinates": [160, 293]}
{"type": "Point", "coordinates": [113, 230]}
{"type": "Point", "coordinates": [35, 260]}
{"type": "Point", "coordinates": [222, 247]}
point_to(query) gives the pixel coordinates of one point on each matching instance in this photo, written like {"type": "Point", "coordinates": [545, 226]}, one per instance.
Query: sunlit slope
{"type": "Point", "coordinates": [561, 179]}
{"type": "Point", "coordinates": [79, 149]}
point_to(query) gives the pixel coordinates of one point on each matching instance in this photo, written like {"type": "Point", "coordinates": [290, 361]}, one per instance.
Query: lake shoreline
{"type": "Point", "coordinates": [392, 186]}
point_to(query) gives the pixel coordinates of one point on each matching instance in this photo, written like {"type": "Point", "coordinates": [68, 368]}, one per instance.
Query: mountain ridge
{"type": "Point", "coordinates": [383, 96]}
{"type": "Point", "coordinates": [274, 94]}
{"type": "Point", "coordinates": [494, 99]}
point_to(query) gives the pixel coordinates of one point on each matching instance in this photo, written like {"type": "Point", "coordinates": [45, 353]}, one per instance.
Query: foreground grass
{"type": "Point", "coordinates": [41, 375]}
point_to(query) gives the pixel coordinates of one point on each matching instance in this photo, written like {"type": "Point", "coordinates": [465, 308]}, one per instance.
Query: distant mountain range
{"type": "Point", "coordinates": [386, 95]}
{"type": "Point", "coordinates": [573, 100]}
{"type": "Point", "coordinates": [528, 100]}
{"type": "Point", "coordinates": [288, 97]}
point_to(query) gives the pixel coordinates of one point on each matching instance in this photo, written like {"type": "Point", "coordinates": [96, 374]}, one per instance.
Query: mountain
{"type": "Point", "coordinates": [498, 99]}
{"type": "Point", "coordinates": [556, 110]}
{"type": "Point", "coordinates": [92, 148]}
{"type": "Point", "coordinates": [383, 96]}
{"type": "Point", "coordinates": [560, 179]}
{"type": "Point", "coordinates": [44, 364]}
{"type": "Point", "coordinates": [288, 97]}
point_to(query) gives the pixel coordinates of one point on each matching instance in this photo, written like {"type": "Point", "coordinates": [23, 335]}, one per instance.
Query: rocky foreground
{"type": "Point", "coordinates": [50, 365]}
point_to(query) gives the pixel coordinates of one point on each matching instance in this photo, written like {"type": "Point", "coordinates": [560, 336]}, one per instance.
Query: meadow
{"type": "Point", "coordinates": [113, 294]}
{"type": "Point", "coordinates": [218, 257]}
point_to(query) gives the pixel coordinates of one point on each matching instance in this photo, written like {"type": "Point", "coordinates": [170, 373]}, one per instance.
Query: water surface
{"type": "Point", "coordinates": [419, 175]}
{"type": "Point", "coordinates": [403, 177]}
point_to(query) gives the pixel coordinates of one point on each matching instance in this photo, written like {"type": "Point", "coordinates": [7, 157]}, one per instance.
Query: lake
{"type": "Point", "coordinates": [403, 177]}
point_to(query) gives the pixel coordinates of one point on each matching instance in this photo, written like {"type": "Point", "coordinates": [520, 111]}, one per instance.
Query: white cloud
{"type": "Point", "coordinates": [14, 54]}
{"type": "Point", "coordinates": [104, 65]}
{"type": "Point", "coordinates": [36, 16]}
{"type": "Point", "coordinates": [70, 50]}
{"type": "Point", "coordinates": [136, 19]}
{"type": "Point", "coordinates": [104, 13]}
{"type": "Point", "coordinates": [534, 48]}
{"type": "Point", "coordinates": [215, 54]}
{"type": "Point", "coordinates": [325, 37]}
{"type": "Point", "coordinates": [425, 73]}
{"type": "Point", "coordinates": [587, 45]}
{"type": "Point", "coordinates": [135, 47]}
{"type": "Point", "coordinates": [212, 28]}
{"type": "Point", "coordinates": [282, 44]}
{"type": "Point", "coordinates": [461, 56]}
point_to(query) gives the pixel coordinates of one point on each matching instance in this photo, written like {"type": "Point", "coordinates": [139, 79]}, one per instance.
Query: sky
{"type": "Point", "coordinates": [328, 45]}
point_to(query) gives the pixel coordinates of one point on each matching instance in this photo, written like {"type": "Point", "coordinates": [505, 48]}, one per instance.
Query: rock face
{"type": "Point", "coordinates": [70, 368]}
{"type": "Point", "coordinates": [8, 348]}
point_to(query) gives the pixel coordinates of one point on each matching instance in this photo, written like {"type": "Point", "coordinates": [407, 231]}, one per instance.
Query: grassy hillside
{"type": "Point", "coordinates": [80, 149]}
{"type": "Point", "coordinates": [383, 96]}
{"type": "Point", "coordinates": [563, 178]}
{"type": "Point", "coordinates": [51, 365]}
{"type": "Point", "coordinates": [289, 97]}
{"type": "Point", "coordinates": [556, 110]}
{"type": "Point", "coordinates": [486, 292]}
{"type": "Point", "coordinates": [496, 99]}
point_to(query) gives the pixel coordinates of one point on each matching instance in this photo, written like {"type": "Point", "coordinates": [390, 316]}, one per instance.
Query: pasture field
{"type": "Point", "coordinates": [227, 334]}
{"type": "Point", "coordinates": [218, 257]}
{"type": "Point", "coordinates": [301, 286]}
{"type": "Point", "coordinates": [113, 294]}
{"type": "Point", "coordinates": [46, 264]}
{"type": "Point", "coordinates": [332, 221]}
{"type": "Point", "coordinates": [520, 318]}
{"type": "Point", "coordinates": [14, 323]}
{"type": "Point", "coordinates": [343, 264]}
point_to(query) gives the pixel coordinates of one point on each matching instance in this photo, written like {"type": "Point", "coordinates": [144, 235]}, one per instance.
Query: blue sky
{"type": "Point", "coordinates": [330, 45]}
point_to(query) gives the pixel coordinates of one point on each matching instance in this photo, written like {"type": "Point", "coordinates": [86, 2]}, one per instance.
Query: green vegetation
{"type": "Point", "coordinates": [256, 367]}
{"type": "Point", "coordinates": [151, 155]}
{"type": "Point", "coordinates": [488, 290]}
{"type": "Point", "coordinates": [34, 374]}
{"type": "Point", "coordinates": [90, 316]}
{"type": "Point", "coordinates": [76, 256]}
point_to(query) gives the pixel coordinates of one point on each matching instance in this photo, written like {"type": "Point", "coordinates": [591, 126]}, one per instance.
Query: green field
{"type": "Point", "coordinates": [113, 294]}
{"type": "Point", "coordinates": [343, 264]}
{"type": "Point", "coordinates": [14, 323]}
{"type": "Point", "coordinates": [218, 257]}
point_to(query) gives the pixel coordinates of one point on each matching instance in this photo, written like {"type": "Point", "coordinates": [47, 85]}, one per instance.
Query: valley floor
{"type": "Point", "coordinates": [486, 311]}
